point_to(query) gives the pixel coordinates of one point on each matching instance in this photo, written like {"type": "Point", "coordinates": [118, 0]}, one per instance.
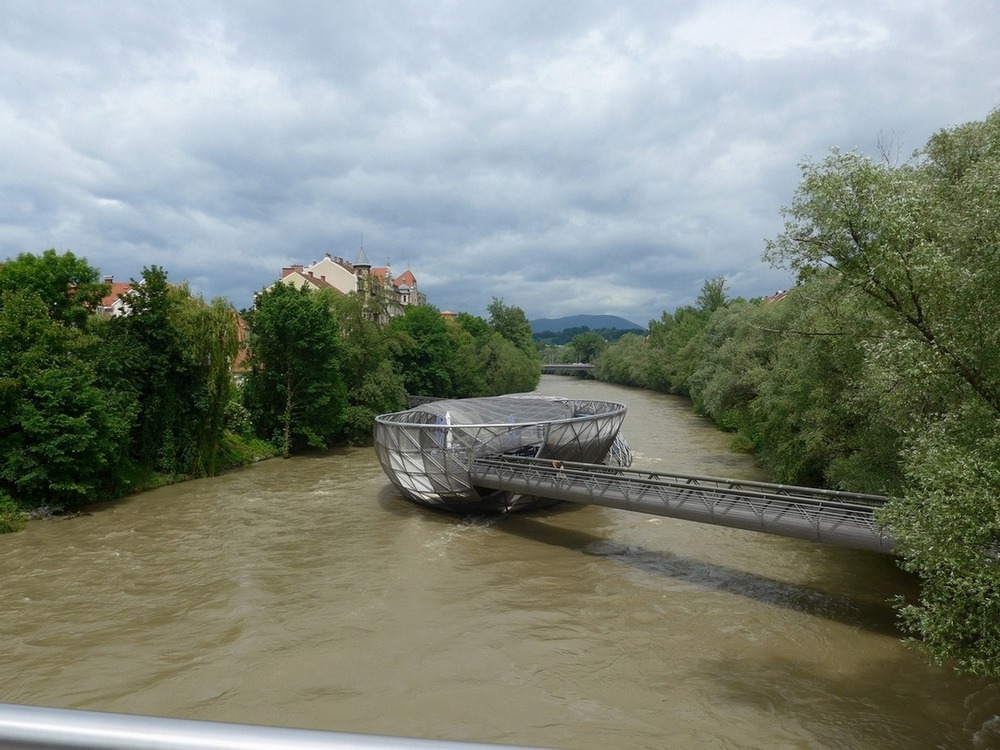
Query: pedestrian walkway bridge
{"type": "Point", "coordinates": [576, 367]}
{"type": "Point", "coordinates": [841, 518]}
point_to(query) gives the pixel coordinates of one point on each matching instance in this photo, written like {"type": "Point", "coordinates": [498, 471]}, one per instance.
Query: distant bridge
{"type": "Point", "coordinates": [842, 518]}
{"type": "Point", "coordinates": [562, 369]}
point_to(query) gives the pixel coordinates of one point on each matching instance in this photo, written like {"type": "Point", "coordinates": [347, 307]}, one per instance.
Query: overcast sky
{"type": "Point", "coordinates": [578, 157]}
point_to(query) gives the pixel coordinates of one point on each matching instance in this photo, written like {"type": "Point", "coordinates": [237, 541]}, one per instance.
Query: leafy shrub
{"type": "Point", "coordinates": [12, 517]}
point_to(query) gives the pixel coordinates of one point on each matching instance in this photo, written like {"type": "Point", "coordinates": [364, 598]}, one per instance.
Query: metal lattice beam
{"type": "Point", "coordinates": [844, 519]}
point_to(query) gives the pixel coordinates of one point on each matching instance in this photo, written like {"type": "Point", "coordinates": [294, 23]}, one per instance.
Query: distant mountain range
{"type": "Point", "coordinates": [593, 322]}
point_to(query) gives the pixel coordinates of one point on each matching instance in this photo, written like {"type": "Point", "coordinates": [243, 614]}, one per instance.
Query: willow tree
{"type": "Point", "coordinates": [171, 354]}
{"type": "Point", "coordinates": [918, 244]}
{"type": "Point", "coordinates": [209, 335]}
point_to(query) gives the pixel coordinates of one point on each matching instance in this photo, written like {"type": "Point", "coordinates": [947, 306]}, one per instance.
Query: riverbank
{"type": "Point", "coordinates": [235, 451]}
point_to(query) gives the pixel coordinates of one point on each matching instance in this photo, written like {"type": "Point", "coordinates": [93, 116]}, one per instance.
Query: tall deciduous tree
{"type": "Point", "coordinates": [373, 386]}
{"type": "Point", "coordinates": [469, 334]}
{"type": "Point", "coordinates": [61, 435]}
{"type": "Point", "coordinates": [713, 295]}
{"type": "Point", "coordinates": [920, 241]}
{"type": "Point", "coordinates": [423, 351]}
{"type": "Point", "coordinates": [511, 323]}
{"type": "Point", "coordinates": [209, 338]}
{"type": "Point", "coordinates": [173, 354]}
{"type": "Point", "coordinates": [294, 389]}
{"type": "Point", "coordinates": [588, 346]}
{"type": "Point", "coordinates": [68, 287]}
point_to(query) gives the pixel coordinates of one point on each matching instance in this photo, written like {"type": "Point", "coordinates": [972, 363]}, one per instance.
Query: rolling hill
{"type": "Point", "coordinates": [593, 322]}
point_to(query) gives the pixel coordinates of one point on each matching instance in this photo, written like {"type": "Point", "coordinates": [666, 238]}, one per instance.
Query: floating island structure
{"type": "Point", "coordinates": [428, 451]}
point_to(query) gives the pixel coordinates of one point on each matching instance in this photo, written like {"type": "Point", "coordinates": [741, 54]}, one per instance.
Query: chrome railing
{"type": "Point", "coordinates": [38, 728]}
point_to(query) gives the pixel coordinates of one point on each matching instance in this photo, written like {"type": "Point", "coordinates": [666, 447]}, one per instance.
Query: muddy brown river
{"type": "Point", "coordinates": [308, 593]}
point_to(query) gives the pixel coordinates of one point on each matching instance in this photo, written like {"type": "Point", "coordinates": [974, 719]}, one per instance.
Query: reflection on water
{"type": "Point", "coordinates": [875, 615]}
{"type": "Point", "coordinates": [308, 593]}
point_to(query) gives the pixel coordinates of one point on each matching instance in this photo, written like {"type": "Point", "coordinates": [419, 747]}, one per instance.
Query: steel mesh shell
{"type": "Point", "coordinates": [426, 451]}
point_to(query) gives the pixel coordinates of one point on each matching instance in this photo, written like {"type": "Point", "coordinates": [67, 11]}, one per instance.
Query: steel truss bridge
{"type": "Point", "coordinates": [841, 518]}
{"type": "Point", "coordinates": [579, 367]}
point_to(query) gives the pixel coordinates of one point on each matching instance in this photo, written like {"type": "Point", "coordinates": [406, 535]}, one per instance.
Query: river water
{"type": "Point", "coordinates": [307, 593]}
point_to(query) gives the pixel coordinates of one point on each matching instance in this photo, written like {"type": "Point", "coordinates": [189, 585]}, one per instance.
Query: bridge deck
{"type": "Point", "coordinates": [576, 367]}
{"type": "Point", "coordinates": [845, 519]}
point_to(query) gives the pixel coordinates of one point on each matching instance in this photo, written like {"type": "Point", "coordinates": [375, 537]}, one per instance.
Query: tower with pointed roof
{"type": "Point", "coordinates": [362, 264]}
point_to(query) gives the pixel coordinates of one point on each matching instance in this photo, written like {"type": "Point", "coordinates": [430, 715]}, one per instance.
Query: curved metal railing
{"type": "Point", "coordinates": [40, 728]}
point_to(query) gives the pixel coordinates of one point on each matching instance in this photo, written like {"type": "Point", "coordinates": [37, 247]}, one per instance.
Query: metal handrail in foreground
{"type": "Point", "coordinates": [40, 728]}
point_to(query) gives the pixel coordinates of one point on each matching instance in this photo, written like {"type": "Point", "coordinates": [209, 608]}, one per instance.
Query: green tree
{"type": "Point", "coordinates": [423, 351]}
{"type": "Point", "coordinates": [897, 235]}
{"type": "Point", "coordinates": [713, 295]}
{"type": "Point", "coordinates": [470, 334]}
{"type": "Point", "coordinates": [511, 323]}
{"type": "Point", "coordinates": [172, 355]}
{"type": "Point", "coordinates": [588, 346]}
{"type": "Point", "coordinates": [209, 338]}
{"type": "Point", "coordinates": [12, 516]}
{"type": "Point", "coordinates": [60, 434]}
{"type": "Point", "coordinates": [508, 368]}
{"type": "Point", "coordinates": [373, 387]}
{"type": "Point", "coordinates": [919, 243]}
{"type": "Point", "coordinates": [67, 285]}
{"type": "Point", "coordinates": [144, 363]}
{"type": "Point", "coordinates": [949, 535]}
{"type": "Point", "coordinates": [294, 389]}
{"type": "Point", "coordinates": [672, 343]}
{"type": "Point", "coordinates": [738, 345]}
{"type": "Point", "coordinates": [812, 418]}
{"type": "Point", "coordinates": [624, 361]}
{"type": "Point", "coordinates": [675, 340]}
{"type": "Point", "coordinates": [475, 326]}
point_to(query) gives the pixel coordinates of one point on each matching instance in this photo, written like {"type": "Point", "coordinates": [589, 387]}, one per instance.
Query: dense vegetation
{"type": "Point", "coordinates": [94, 407]}
{"type": "Point", "coordinates": [878, 372]}
{"type": "Point", "coordinates": [566, 336]}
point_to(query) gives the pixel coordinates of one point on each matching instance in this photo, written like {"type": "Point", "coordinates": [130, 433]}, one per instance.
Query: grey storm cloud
{"type": "Point", "coordinates": [606, 157]}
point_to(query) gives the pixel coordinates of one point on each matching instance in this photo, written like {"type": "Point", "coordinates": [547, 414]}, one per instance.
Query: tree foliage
{"type": "Point", "coordinates": [371, 383]}
{"type": "Point", "coordinates": [624, 361]}
{"type": "Point", "coordinates": [919, 243]}
{"type": "Point", "coordinates": [423, 351]}
{"type": "Point", "coordinates": [294, 389]}
{"type": "Point", "coordinates": [588, 346]}
{"type": "Point", "coordinates": [674, 340]}
{"type": "Point", "coordinates": [880, 371]}
{"type": "Point", "coordinates": [465, 357]}
{"type": "Point", "coordinates": [66, 285]}
{"type": "Point", "coordinates": [60, 433]}
{"type": "Point", "coordinates": [566, 335]}
{"type": "Point", "coordinates": [93, 407]}
{"type": "Point", "coordinates": [172, 355]}
{"type": "Point", "coordinates": [511, 323]}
